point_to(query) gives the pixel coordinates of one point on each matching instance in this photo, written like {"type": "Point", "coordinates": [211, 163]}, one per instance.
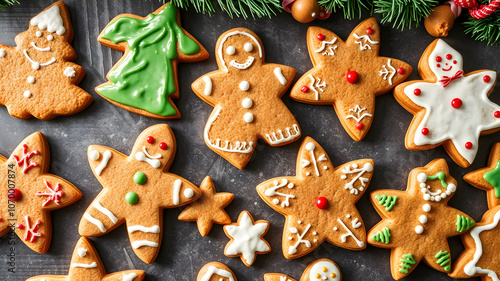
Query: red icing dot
{"type": "Point", "coordinates": [486, 78]}
{"type": "Point", "coordinates": [455, 62]}
{"type": "Point", "coordinates": [468, 145]}
{"type": "Point", "coordinates": [20, 226]}
{"type": "Point", "coordinates": [359, 126]}
{"type": "Point", "coordinates": [150, 139]}
{"type": "Point", "coordinates": [304, 89]}
{"type": "Point", "coordinates": [352, 77]}
{"type": "Point", "coordinates": [438, 65]}
{"type": "Point", "coordinates": [369, 31]}
{"type": "Point", "coordinates": [320, 37]}
{"type": "Point", "coordinates": [438, 59]}
{"type": "Point", "coordinates": [448, 56]}
{"type": "Point", "coordinates": [401, 70]}
{"type": "Point", "coordinates": [456, 103]}
{"type": "Point", "coordinates": [417, 92]}
{"type": "Point", "coordinates": [14, 194]}
{"type": "Point", "coordinates": [425, 131]}
{"type": "Point", "coordinates": [163, 145]}
{"type": "Point", "coordinates": [497, 114]}
{"type": "Point", "coordinates": [1, 219]}
{"type": "Point", "coordinates": [322, 203]}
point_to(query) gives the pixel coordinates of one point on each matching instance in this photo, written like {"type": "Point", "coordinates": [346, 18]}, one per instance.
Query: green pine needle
{"type": "Point", "coordinates": [5, 3]}
{"type": "Point", "coordinates": [256, 8]}
{"type": "Point", "coordinates": [349, 7]}
{"type": "Point", "coordinates": [404, 13]}
{"type": "Point", "coordinates": [487, 29]}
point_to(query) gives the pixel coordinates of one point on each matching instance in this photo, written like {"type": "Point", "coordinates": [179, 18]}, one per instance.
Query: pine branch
{"type": "Point", "coordinates": [5, 3]}
{"type": "Point", "coordinates": [487, 29]}
{"type": "Point", "coordinates": [349, 7]}
{"type": "Point", "coordinates": [404, 13]}
{"type": "Point", "coordinates": [243, 8]}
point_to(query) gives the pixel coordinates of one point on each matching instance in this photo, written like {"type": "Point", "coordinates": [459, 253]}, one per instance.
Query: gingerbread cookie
{"type": "Point", "coordinates": [482, 245]}
{"type": "Point", "coordinates": [488, 178]}
{"type": "Point", "coordinates": [416, 222]}
{"type": "Point", "coordinates": [348, 75]}
{"type": "Point", "coordinates": [152, 46]}
{"type": "Point", "coordinates": [319, 202]}
{"type": "Point", "coordinates": [246, 95]}
{"type": "Point", "coordinates": [247, 238]}
{"type": "Point", "coordinates": [318, 270]}
{"type": "Point", "coordinates": [451, 108]}
{"type": "Point", "coordinates": [209, 208]}
{"type": "Point", "coordinates": [87, 265]}
{"type": "Point", "coordinates": [38, 77]}
{"type": "Point", "coordinates": [215, 271]}
{"type": "Point", "coordinates": [135, 190]}
{"type": "Point", "coordinates": [29, 193]}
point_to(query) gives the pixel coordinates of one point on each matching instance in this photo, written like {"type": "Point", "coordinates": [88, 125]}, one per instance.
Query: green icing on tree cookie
{"type": "Point", "coordinates": [145, 76]}
{"type": "Point", "coordinates": [387, 201]}
{"type": "Point", "coordinates": [406, 262]}
{"type": "Point", "coordinates": [493, 178]}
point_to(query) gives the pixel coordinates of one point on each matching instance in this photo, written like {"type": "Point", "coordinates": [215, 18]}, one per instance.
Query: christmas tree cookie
{"type": "Point", "coordinates": [451, 108]}
{"type": "Point", "coordinates": [348, 75]}
{"type": "Point", "coordinates": [144, 81]}
{"type": "Point", "coordinates": [86, 265]}
{"type": "Point", "coordinates": [135, 190]}
{"type": "Point", "coordinates": [318, 270]}
{"type": "Point", "coordinates": [246, 95]}
{"type": "Point", "coordinates": [319, 202]}
{"type": "Point", "coordinates": [417, 222]}
{"type": "Point", "coordinates": [38, 77]}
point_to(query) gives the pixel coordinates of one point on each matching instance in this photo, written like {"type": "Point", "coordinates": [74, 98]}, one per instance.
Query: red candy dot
{"type": "Point", "coordinates": [438, 65]}
{"type": "Point", "coordinates": [14, 194]}
{"type": "Point", "coordinates": [455, 62]}
{"type": "Point", "coordinates": [322, 203]}
{"type": "Point", "coordinates": [20, 226]}
{"type": "Point", "coordinates": [468, 145]}
{"type": "Point", "coordinates": [352, 77]}
{"type": "Point", "coordinates": [359, 126]}
{"type": "Point", "coordinates": [497, 114]}
{"type": "Point", "coordinates": [1, 219]}
{"type": "Point", "coordinates": [438, 59]}
{"type": "Point", "coordinates": [401, 70]}
{"type": "Point", "coordinates": [304, 89]}
{"type": "Point", "coordinates": [150, 139]}
{"type": "Point", "coordinates": [417, 92]}
{"type": "Point", "coordinates": [448, 56]}
{"type": "Point", "coordinates": [320, 37]}
{"type": "Point", "coordinates": [456, 103]}
{"type": "Point", "coordinates": [486, 78]}
{"type": "Point", "coordinates": [163, 145]}
{"type": "Point", "coordinates": [425, 131]}
{"type": "Point", "coordinates": [369, 31]}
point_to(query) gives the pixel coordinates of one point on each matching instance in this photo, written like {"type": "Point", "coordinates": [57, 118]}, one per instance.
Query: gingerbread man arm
{"type": "Point", "coordinates": [283, 76]}
{"type": "Point", "coordinates": [183, 191]}
{"type": "Point", "coordinates": [210, 87]}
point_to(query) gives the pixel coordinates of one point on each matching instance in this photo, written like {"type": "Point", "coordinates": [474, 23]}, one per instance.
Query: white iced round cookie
{"type": "Point", "coordinates": [248, 47]}
{"type": "Point", "coordinates": [247, 103]}
{"type": "Point", "coordinates": [230, 50]}
{"type": "Point", "coordinates": [324, 271]}
{"type": "Point", "coordinates": [248, 117]}
{"type": "Point", "coordinates": [94, 155]}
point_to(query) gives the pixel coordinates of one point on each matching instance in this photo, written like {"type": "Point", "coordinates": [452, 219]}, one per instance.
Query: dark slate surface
{"type": "Point", "coordinates": [184, 251]}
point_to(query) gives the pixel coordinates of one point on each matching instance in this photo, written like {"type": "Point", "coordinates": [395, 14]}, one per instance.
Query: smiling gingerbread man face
{"type": "Point", "coordinates": [444, 60]}
{"type": "Point", "coordinates": [235, 53]}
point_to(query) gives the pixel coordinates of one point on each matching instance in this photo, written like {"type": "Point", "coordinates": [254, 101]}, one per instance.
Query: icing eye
{"type": "Point", "coordinates": [248, 47]}
{"type": "Point", "coordinates": [50, 37]}
{"type": "Point", "coordinates": [38, 34]}
{"type": "Point", "coordinates": [230, 50]}
{"type": "Point", "coordinates": [150, 139]}
{"type": "Point", "coordinates": [163, 145]}
{"type": "Point", "coordinates": [454, 62]}
{"type": "Point", "coordinates": [448, 56]}
{"type": "Point", "coordinates": [438, 59]}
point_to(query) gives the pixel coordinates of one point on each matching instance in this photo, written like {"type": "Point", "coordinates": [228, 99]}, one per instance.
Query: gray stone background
{"type": "Point", "coordinates": [184, 251]}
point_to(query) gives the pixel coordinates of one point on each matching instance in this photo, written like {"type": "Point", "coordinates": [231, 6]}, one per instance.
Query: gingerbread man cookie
{"type": "Point", "coordinates": [86, 265]}
{"type": "Point", "coordinates": [135, 190]}
{"type": "Point", "coordinates": [417, 222]}
{"type": "Point", "coordinates": [451, 108]}
{"type": "Point", "coordinates": [209, 208]}
{"type": "Point", "coordinates": [319, 202]}
{"type": "Point", "coordinates": [38, 78]}
{"type": "Point", "coordinates": [488, 178]}
{"type": "Point", "coordinates": [349, 75]}
{"type": "Point", "coordinates": [318, 270]}
{"type": "Point", "coordinates": [28, 193]}
{"type": "Point", "coordinates": [215, 271]}
{"type": "Point", "coordinates": [246, 95]}
{"type": "Point", "coordinates": [152, 46]}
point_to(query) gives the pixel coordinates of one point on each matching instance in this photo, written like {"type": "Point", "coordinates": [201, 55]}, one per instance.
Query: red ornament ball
{"type": "Point", "coordinates": [456, 103]}
{"type": "Point", "coordinates": [369, 31]}
{"type": "Point", "coordinates": [417, 92]}
{"type": "Point", "coordinates": [359, 126]}
{"type": "Point", "coordinates": [401, 70]}
{"type": "Point", "coordinates": [352, 77]}
{"type": "Point", "coordinates": [486, 78]}
{"type": "Point", "coordinates": [163, 145]}
{"type": "Point", "coordinates": [14, 194]}
{"type": "Point", "coordinates": [468, 145]}
{"type": "Point", "coordinates": [304, 89]}
{"type": "Point", "coordinates": [497, 114]}
{"type": "Point", "coordinates": [425, 131]}
{"type": "Point", "coordinates": [322, 203]}
{"type": "Point", "coordinates": [320, 37]}
{"type": "Point", "coordinates": [150, 139]}
{"type": "Point", "coordinates": [438, 59]}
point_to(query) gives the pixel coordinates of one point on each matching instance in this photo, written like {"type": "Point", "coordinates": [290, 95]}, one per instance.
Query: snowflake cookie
{"type": "Point", "coordinates": [135, 190]}
{"type": "Point", "coordinates": [318, 270]}
{"type": "Point", "coordinates": [348, 75]}
{"type": "Point", "coordinates": [417, 222]}
{"type": "Point", "coordinates": [29, 193]}
{"type": "Point", "coordinates": [246, 95]}
{"type": "Point", "coordinates": [38, 77]}
{"type": "Point", "coordinates": [451, 108]}
{"type": "Point", "coordinates": [215, 271]}
{"type": "Point", "coordinates": [330, 195]}
{"type": "Point", "coordinates": [86, 265]}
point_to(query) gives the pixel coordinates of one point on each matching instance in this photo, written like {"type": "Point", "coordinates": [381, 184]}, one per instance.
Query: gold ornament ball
{"type": "Point", "coordinates": [440, 21]}
{"type": "Point", "coordinates": [305, 10]}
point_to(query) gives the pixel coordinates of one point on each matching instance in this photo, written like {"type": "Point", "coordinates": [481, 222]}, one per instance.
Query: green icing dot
{"type": "Point", "coordinates": [140, 178]}
{"type": "Point", "coordinates": [493, 178]}
{"type": "Point", "coordinates": [131, 198]}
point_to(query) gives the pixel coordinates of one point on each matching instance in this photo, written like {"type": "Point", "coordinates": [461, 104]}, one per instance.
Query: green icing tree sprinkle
{"type": "Point", "coordinates": [493, 178]}
{"type": "Point", "coordinates": [464, 223]}
{"type": "Point", "coordinates": [406, 262]}
{"type": "Point", "coordinates": [387, 201]}
{"type": "Point", "coordinates": [382, 236]}
{"type": "Point", "coordinates": [443, 259]}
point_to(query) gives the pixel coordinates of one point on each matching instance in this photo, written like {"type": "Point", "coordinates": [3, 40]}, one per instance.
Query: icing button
{"type": "Point", "coordinates": [27, 94]}
{"type": "Point", "coordinates": [352, 77]}
{"type": "Point", "coordinates": [247, 103]}
{"type": "Point", "coordinates": [131, 198]}
{"type": "Point", "coordinates": [2, 53]}
{"type": "Point", "coordinates": [244, 86]}
{"type": "Point", "coordinates": [35, 65]}
{"type": "Point", "coordinates": [248, 117]}
{"type": "Point", "coordinates": [322, 203]}
{"type": "Point", "coordinates": [140, 178]}
{"type": "Point", "coordinates": [31, 79]}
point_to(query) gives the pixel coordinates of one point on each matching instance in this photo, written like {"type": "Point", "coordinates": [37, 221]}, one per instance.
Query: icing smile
{"type": "Point", "coordinates": [451, 66]}
{"type": "Point", "coordinates": [245, 65]}
{"type": "Point", "coordinates": [35, 64]}
{"type": "Point", "coordinates": [146, 157]}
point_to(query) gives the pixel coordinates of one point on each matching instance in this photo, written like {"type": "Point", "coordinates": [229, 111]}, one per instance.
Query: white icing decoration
{"type": "Point", "coordinates": [81, 252]}
{"type": "Point", "coordinates": [95, 221]}
{"type": "Point", "coordinates": [387, 73]}
{"type": "Point", "coordinates": [310, 146]}
{"type": "Point", "coordinates": [244, 86]}
{"type": "Point", "coordinates": [2, 53]}
{"type": "Point", "coordinates": [419, 229]}
{"type": "Point", "coordinates": [365, 42]}
{"type": "Point", "coordinates": [343, 238]}
{"type": "Point", "coordinates": [356, 223]}
{"type": "Point", "coordinates": [331, 49]}
{"type": "Point", "coordinates": [248, 47]}
{"type": "Point", "coordinates": [356, 113]}
{"type": "Point", "coordinates": [105, 211]}
{"type": "Point", "coordinates": [426, 208]}
{"type": "Point", "coordinates": [36, 65]}
{"type": "Point", "coordinates": [279, 137]}
{"type": "Point", "coordinates": [38, 34]}
{"type": "Point", "coordinates": [176, 191]}
{"type": "Point", "coordinates": [248, 117]}
{"type": "Point", "coordinates": [157, 156]}
{"type": "Point", "coordinates": [69, 72]}
{"type": "Point", "coordinates": [188, 193]}
{"type": "Point", "coordinates": [244, 65]}
{"type": "Point", "coordinates": [84, 265]}
{"type": "Point", "coordinates": [218, 271]}
{"type": "Point", "coordinates": [316, 85]}
{"type": "Point", "coordinates": [247, 103]}
{"type": "Point", "coordinates": [141, 228]}
{"type": "Point", "coordinates": [322, 157]}
{"type": "Point", "coordinates": [277, 185]}
{"type": "Point", "coordinates": [208, 86]}
{"type": "Point", "coordinates": [51, 20]}
{"type": "Point", "coordinates": [317, 268]}
{"type": "Point", "coordinates": [104, 162]}
{"type": "Point", "coordinates": [239, 147]}
{"type": "Point", "coordinates": [46, 49]}
{"type": "Point", "coordinates": [367, 167]}
{"type": "Point", "coordinates": [27, 94]}
{"type": "Point", "coordinates": [235, 33]}
{"type": "Point", "coordinates": [445, 122]}
{"type": "Point", "coordinates": [230, 50]}
{"type": "Point", "coordinates": [50, 37]}
{"type": "Point", "coordinates": [434, 195]}
{"type": "Point", "coordinates": [141, 156]}
{"type": "Point", "coordinates": [140, 243]}
{"type": "Point", "coordinates": [422, 219]}
{"type": "Point", "coordinates": [305, 163]}
{"type": "Point", "coordinates": [300, 239]}
{"type": "Point", "coordinates": [247, 238]}
{"type": "Point", "coordinates": [31, 79]}
{"type": "Point", "coordinates": [129, 277]}
{"type": "Point", "coordinates": [279, 75]}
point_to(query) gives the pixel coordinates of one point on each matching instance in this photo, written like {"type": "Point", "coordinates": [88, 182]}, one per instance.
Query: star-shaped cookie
{"type": "Point", "coordinates": [488, 178]}
{"type": "Point", "coordinates": [319, 202]}
{"type": "Point", "coordinates": [135, 190]}
{"type": "Point", "coordinates": [417, 222]}
{"type": "Point", "coordinates": [247, 238]}
{"type": "Point", "coordinates": [28, 193]}
{"type": "Point", "coordinates": [318, 270]}
{"type": "Point", "coordinates": [348, 75]}
{"type": "Point", "coordinates": [209, 208]}
{"type": "Point", "coordinates": [86, 265]}
{"type": "Point", "coordinates": [482, 246]}
{"type": "Point", "coordinates": [215, 271]}
{"type": "Point", "coordinates": [451, 108]}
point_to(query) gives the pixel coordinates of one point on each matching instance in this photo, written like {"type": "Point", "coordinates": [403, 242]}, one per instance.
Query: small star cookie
{"type": "Point", "coordinates": [318, 270]}
{"type": "Point", "coordinates": [86, 265]}
{"type": "Point", "coordinates": [215, 271]}
{"type": "Point", "coordinates": [209, 208]}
